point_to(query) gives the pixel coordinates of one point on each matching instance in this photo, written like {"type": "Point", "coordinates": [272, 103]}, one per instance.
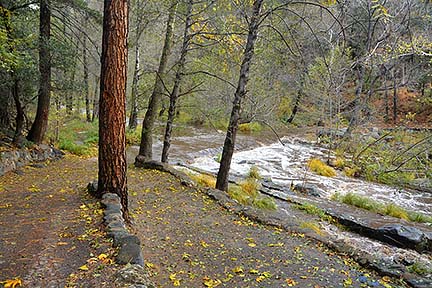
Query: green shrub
{"type": "Point", "coordinates": [133, 137]}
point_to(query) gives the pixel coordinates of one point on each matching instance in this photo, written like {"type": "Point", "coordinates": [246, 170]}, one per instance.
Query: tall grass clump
{"type": "Point", "coordinates": [389, 209]}
{"type": "Point", "coordinates": [321, 168]}
{"type": "Point", "coordinates": [204, 180]}
{"type": "Point", "coordinates": [247, 193]}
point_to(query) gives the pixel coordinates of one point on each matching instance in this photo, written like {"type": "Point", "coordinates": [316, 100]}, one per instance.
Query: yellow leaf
{"type": "Point", "coordinates": [386, 279]}
{"type": "Point", "coordinates": [204, 244]}
{"type": "Point", "coordinates": [260, 278]}
{"type": "Point", "coordinates": [290, 282]}
{"type": "Point", "coordinates": [172, 277]}
{"type": "Point", "coordinates": [83, 268]}
{"type": "Point", "coordinates": [238, 269]}
{"type": "Point", "coordinates": [253, 271]}
{"type": "Point", "coordinates": [102, 256]}
{"type": "Point", "coordinates": [252, 244]}
{"type": "Point", "coordinates": [176, 282]}
{"type": "Point", "coordinates": [12, 283]}
{"type": "Point", "coordinates": [149, 265]}
{"type": "Point", "coordinates": [210, 282]}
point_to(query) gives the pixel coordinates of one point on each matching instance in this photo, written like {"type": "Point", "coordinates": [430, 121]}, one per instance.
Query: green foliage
{"type": "Point", "coordinates": [321, 168]}
{"type": "Point", "coordinates": [390, 209]}
{"type": "Point", "coordinates": [133, 137]}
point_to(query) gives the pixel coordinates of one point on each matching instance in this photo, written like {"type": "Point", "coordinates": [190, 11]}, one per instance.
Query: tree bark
{"type": "Point", "coordinates": [395, 98]}
{"type": "Point", "coordinates": [38, 129]}
{"type": "Point", "coordinates": [19, 119]}
{"type": "Point", "coordinates": [112, 104]}
{"type": "Point", "coordinates": [228, 149]}
{"type": "Point", "coordinates": [146, 143]}
{"type": "Point", "coordinates": [176, 88]}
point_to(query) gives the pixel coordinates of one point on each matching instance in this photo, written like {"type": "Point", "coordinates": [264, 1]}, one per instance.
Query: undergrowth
{"type": "Point", "coordinates": [321, 168]}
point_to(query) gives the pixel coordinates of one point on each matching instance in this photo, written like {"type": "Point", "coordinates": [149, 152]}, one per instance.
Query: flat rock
{"type": "Point", "coordinates": [130, 250]}
{"type": "Point", "coordinates": [132, 276]}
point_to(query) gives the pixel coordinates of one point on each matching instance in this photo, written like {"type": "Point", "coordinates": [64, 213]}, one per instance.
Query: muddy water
{"type": "Point", "coordinates": [284, 164]}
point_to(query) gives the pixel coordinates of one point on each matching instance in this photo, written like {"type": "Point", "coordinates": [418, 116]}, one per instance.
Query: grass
{"type": "Point", "coordinates": [74, 135]}
{"type": "Point", "coordinates": [321, 168]}
{"type": "Point", "coordinates": [204, 180]}
{"type": "Point", "coordinates": [246, 193]}
{"type": "Point", "coordinates": [314, 210]}
{"type": "Point", "coordinates": [312, 226]}
{"type": "Point", "coordinates": [254, 173]}
{"type": "Point", "coordinates": [419, 269]}
{"type": "Point", "coordinates": [390, 209]}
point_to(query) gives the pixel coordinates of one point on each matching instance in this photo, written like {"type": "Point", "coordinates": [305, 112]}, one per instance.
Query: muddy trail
{"type": "Point", "coordinates": [51, 236]}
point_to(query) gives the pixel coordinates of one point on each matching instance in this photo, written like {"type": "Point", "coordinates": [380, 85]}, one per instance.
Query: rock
{"type": "Point", "coordinates": [308, 189]}
{"type": "Point", "coordinates": [130, 250]}
{"type": "Point", "coordinates": [405, 236]}
{"type": "Point", "coordinates": [132, 276]}
{"type": "Point", "coordinates": [116, 224]}
{"type": "Point", "coordinates": [92, 187]}
{"type": "Point", "coordinates": [109, 217]}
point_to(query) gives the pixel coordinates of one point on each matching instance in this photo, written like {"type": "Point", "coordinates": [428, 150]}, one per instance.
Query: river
{"type": "Point", "coordinates": [283, 162]}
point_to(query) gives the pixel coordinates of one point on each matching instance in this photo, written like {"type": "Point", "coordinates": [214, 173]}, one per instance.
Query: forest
{"type": "Point", "coordinates": [126, 80]}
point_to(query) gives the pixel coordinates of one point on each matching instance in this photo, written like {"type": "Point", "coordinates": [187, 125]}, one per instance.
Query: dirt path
{"type": "Point", "coordinates": [47, 226]}
{"type": "Point", "coordinates": [50, 237]}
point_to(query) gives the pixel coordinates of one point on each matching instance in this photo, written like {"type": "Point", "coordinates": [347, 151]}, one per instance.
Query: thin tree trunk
{"type": "Point", "coordinates": [112, 137]}
{"type": "Point", "coordinates": [38, 129]}
{"type": "Point", "coordinates": [297, 99]}
{"type": "Point", "coordinates": [133, 118]}
{"type": "Point", "coordinates": [386, 102]}
{"type": "Point", "coordinates": [176, 88]}
{"type": "Point", "coordinates": [146, 143]}
{"type": "Point", "coordinates": [357, 102]}
{"type": "Point", "coordinates": [86, 76]}
{"type": "Point", "coordinates": [95, 113]}
{"type": "Point", "coordinates": [228, 149]}
{"type": "Point", "coordinates": [395, 98]}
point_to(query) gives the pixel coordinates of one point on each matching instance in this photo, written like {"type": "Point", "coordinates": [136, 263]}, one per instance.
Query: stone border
{"type": "Point", "coordinates": [133, 274]}
{"type": "Point", "coordinates": [11, 160]}
{"type": "Point", "coordinates": [273, 219]}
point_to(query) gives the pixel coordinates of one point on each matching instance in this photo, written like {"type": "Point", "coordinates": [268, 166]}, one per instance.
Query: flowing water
{"type": "Point", "coordinates": [284, 163]}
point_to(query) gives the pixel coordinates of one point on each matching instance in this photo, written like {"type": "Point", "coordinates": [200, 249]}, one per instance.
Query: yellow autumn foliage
{"type": "Point", "coordinates": [321, 168]}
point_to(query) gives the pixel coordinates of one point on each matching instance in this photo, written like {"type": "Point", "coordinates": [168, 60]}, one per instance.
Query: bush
{"type": "Point", "coordinates": [247, 194]}
{"type": "Point", "coordinates": [321, 168]}
{"type": "Point", "coordinates": [133, 137]}
{"type": "Point", "coordinates": [204, 180]}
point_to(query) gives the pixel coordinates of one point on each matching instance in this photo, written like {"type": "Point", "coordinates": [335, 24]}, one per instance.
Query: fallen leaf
{"type": "Point", "coordinates": [12, 283]}
{"type": "Point", "coordinates": [83, 268]}
{"type": "Point", "coordinates": [290, 282]}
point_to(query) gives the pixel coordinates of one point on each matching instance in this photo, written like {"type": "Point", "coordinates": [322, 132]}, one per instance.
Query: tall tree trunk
{"type": "Point", "coordinates": [155, 98]}
{"type": "Point", "coordinates": [133, 117]}
{"type": "Point", "coordinates": [386, 102]}
{"type": "Point", "coordinates": [95, 113]}
{"type": "Point", "coordinates": [176, 88]}
{"type": "Point", "coordinates": [86, 76]}
{"type": "Point", "coordinates": [228, 149]}
{"type": "Point", "coordinates": [112, 121]}
{"type": "Point", "coordinates": [38, 129]}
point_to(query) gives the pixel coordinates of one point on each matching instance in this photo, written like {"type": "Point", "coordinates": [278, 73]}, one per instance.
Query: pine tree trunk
{"type": "Point", "coordinates": [229, 144]}
{"type": "Point", "coordinates": [112, 114]}
{"type": "Point", "coordinates": [146, 143]}
{"type": "Point", "coordinates": [176, 88]}
{"type": "Point", "coordinates": [19, 119]}
{"type": "Point", "coordinates": [38, 129]}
